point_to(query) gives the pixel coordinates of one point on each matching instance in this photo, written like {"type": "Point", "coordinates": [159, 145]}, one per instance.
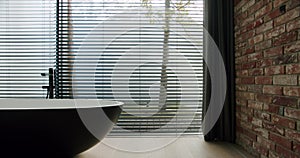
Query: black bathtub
{"type": "Point", "coordinates": [54, 128]}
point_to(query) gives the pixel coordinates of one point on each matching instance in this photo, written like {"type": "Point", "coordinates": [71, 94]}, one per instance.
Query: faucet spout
{"type": "Point", "coordinates": [51, 86]}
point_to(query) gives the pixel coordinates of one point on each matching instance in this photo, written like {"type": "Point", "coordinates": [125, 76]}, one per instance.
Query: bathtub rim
{"type": "Point", "coordinates": [56, 104]}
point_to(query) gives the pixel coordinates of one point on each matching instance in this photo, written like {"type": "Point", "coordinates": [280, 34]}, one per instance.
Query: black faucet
{"type": "Point", "coordinates": [50, 87]}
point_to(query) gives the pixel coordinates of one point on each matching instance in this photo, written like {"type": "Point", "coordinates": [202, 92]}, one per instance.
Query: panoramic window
{"type": "Point", "coordinates": [145, 53]}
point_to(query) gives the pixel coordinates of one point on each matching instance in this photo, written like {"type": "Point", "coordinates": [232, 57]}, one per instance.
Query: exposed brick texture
{"type": "Point", "coordinates": [267, 50]}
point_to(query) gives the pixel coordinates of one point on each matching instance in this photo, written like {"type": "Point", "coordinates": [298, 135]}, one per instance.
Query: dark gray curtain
{"type": "Point", "coordinates": [219, 23]}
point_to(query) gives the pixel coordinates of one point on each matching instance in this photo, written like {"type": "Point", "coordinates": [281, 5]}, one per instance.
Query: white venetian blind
{"type": "Point", "coordinates": [146, 53]}
{"type": "Point", "coordinates": [27, 46]}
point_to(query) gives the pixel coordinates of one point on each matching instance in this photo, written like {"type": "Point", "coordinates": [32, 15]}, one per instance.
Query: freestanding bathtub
{"type": "Point", "coordinates": [54, 128]}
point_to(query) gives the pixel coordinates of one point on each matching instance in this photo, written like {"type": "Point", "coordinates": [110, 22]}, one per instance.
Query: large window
{"type": "Point", "coordinates": [27, 47]}
{"type": "Point", "coordinates": [146, 53]}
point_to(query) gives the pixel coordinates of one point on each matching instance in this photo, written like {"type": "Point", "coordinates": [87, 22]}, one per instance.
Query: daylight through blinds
{"type": "Point", "coordinates": [27, 47]}
{"type": "Point", "coordinates": [146, 53]}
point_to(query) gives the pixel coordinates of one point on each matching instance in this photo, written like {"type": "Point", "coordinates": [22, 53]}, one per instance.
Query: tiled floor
{"type": "Point", "coordinates": [157, 147]}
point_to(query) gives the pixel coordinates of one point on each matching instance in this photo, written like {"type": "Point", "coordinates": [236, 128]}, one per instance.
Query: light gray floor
{"type": "Point", "coordinates": [159, 147]}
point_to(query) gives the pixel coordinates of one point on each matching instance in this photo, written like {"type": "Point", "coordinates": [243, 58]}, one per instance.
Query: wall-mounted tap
{"type": "Point", "coordinates": [50, 87]}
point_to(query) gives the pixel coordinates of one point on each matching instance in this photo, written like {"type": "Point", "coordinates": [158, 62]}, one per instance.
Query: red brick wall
{"type": "Point", "coordinates": [267, 34]}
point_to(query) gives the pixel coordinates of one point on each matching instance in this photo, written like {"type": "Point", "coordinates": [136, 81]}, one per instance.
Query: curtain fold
{"type": "Point", "coordinates": [219, 24]}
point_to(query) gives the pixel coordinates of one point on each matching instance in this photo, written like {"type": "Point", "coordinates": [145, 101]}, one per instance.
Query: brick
{"type": "Point", "coordinates": [265, 142]}
{"type": "Point", "coordinates": [284, 122]}
{"type": "Point", "coordinates": [249, 65]}
{"type": "Point", "coordinates": [273, 155]}
{"type": "Point", "coordinates": [285, 101]}
{"type": "Point", "coordinates": [249, 50]}
{"type": "Point", "coordinates": [248, 80]}
{"type": "Point", "coordinates": [285, 38]}
{"type": "Point", "coordinates": [284, 152]}
{"type": "Point", "coordinates": [250, 135]}
{"type": "Point", "coordinates": [256, 39]}
{"type": "Point", "coordinates": [286, 59]}
{"type": "Point", "coordinates": [243, 30]}
{"type": "Point", "coordinates": [240, 60]}
{"type": "Point", "coordinates": [241, 87]}
{"type": "Point", "coordinates": [263, 98]}
{"type": "Point", "coordinates": [285, 142]}
{"type": "Point", "coordinates": [272, 90]}
{"type": "Point", "coordinates": [260, 149]}
{"type": "Point", "coordinates": [263, 45]}
{"type": "Point", "coordinates": [263, 11]}
{"type": "Point", "coordinates": [273, 128]}
{"type": "Point", "coordinates": [255, 105]}
{"type": "Point", "coordinates": [235, 2]}
{"type": "Point", "coordinates": [291, 4]}
{"type": "Point", "coordinates": [239, 115]}
{"type": "Point", "coordinates": [292, 134]}
{"type": "Point", "coordinates": [244, 139]}
{"type": "Point", "coordinates": [238, 66]}
{"type": "Point", "coordinates": [288, 16]}
{"type": "Point", "coordinates": [240, 45]}
{"type": "Point", "coordinates": [264, 63]}
{"type": "Point", "coordinates": [237, 53]}
{"type": "Point", "coordinates": [256, 72]}
{"type": "Point", "coordinates": [257, 6]}
{"type": "Point", "coordinates": [237, 80]}
{"type": "Point", "coordinates": [293, 69]}
{"type": "Point", "coordinates": [242, 73]}
{"type": "Point", "coordinates": [255, 56]}
{"type": "Point", "coordinates": [248, 5]}
{"type": "Point", "coordinates": [262, 115]}
{"type": "Point", "coordinates": [274, 14]}
{"type": "Point", "coordinates": [243, 117]}
{"type": "Point", "coordinates": [285, 80]}
{"type": "Point", "coordinates": [237, 30]}
{"type": "Point", "coordinates": [240, 4]}
{"type": "Point", "coordinates": [292, 113]}
{"type": "Point", "coordinates": [273, 52]}
{"type": "Point", "coordinates": [256, 122]}
{"type": "Point", "coordinates": [247, 111]}
{"type": "Point", "coordinates": [293, 25]}
{"type": "Point", "coordinates": [244, 37]}
{"type": "Point", "coordinates": [265, 27]}
{"type": "Point", "coordinates": [271, 108]}
{"type": "Point", "coordinates": [265, 116]}
{"type": "Point", "coordinates": [255, 88]}
{"type": "Point", "coordinates": [248, 20]}
{"type": "Point", "coordinates": [291, 91]}
{"type": "Point", "coordinates": [296, 147]}
{"type": "Point", "coordinates": [245, 95]}
{"type": "Point", "coordinates": [246, 125]}
{"type": "Point", "coordinates": [255, 24]}
{"type": "Point", "coordinates": [263, 80]}
{"type": "Point", "coordinates": [278, 3]}
{"type": "Point", "coordinates": [292, 48]}
{"type": "Point", "coordinates": [274, 70]}
{"type": "Point", "coordinates": [263, 156]}
{"type": "Point", "coordinates": [238, 110]}
{"type": "Point", "coordinates": [274, 32]}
